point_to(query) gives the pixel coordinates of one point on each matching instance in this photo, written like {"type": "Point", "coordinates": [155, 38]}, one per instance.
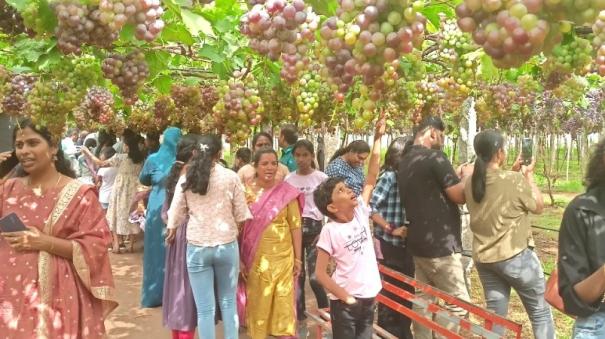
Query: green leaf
{"type": "Point", "coordinates": [47, 15]}
{"type": "Point", "coordinates": [433, 12]}
{"type": "Point", "coordinates": [177, 32]}
{"type": "Point", "coordinates": [196, 23]}
{"type": "Point", "coordinates": [211, 52]}
{"type": "Point", "coordinates": [158, 61]}
{"type": "Point", "coordinates": [486, 69]}
{"type": "Point", "coordinates": [163, 83]}
{"type": "Point", "coordinates": [30, 50]}
{"type": "Point", "coordinates": [221, 70]}
{"type": "Point", "coordinates": [324, 7]}
{"type": "Point", "coordinates": [19, 5]}
{"type": "Point", "coordinates": [224, 4]}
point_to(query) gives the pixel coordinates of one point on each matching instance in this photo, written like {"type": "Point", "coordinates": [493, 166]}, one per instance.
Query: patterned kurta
{"type": "Point", "coordinates": [124, 190]}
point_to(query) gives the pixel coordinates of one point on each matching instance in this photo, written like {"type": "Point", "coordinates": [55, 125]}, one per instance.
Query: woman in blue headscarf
{"type": "Point", "coordinates": [154, 173]}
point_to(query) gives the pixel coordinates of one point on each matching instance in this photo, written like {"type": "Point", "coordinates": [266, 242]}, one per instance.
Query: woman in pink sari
{"type": "Point", "coordinates": [271, 251]}
{"type": "Point", "coordinates": [55, 277]}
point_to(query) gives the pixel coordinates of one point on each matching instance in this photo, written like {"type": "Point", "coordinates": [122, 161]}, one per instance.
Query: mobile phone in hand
{"type": "Point", "coordinates": [527, 148]}
{"type": "Point", "coordinates": [12, 223]}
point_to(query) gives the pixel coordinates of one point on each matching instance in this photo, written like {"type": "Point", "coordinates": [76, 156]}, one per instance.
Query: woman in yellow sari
{"type": "Point", "coordinates": [271, 251]}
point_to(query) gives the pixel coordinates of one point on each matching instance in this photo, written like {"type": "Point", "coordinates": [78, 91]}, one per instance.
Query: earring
{"type": "Point", "coordinates": [55, 158]}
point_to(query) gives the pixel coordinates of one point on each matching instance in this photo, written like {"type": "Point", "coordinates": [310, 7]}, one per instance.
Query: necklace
{"type": "Point", "coordinates": [38, 190]}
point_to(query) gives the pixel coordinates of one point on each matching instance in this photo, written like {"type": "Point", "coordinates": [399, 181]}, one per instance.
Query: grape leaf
{"type": "Point", "coordinates": [324, 7]}
{"type": "Point", "coordinates": [211, 52]}
{"type": "Point", "coordinates": [196, 23]}
{"type": "Point", "coordinates": [177, 32]}
{"type": "Point", "coordinates": [31, 50]}
{"type": "Point", "coordinates": [19, 5]}
{"type": "Point", "coordinates": [158, 61]}
{"type": "Point", "coordinates": [163, 83]}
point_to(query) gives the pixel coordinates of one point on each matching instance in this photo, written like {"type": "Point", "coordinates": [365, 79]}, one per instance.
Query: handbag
{"type": "Point", "coordinates": [551, 294]}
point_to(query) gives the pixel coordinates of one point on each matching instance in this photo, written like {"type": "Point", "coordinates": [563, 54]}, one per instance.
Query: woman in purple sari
{"type": "Point", "coordinates": [178, 312]}
{"type": "Point", "coordinates": [271, 251]}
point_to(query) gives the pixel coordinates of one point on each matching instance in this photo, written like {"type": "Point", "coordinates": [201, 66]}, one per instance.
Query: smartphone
{"type": "Point", "coordinates": [12, 223]}
{"type": "Point", "coordinates": [527, 148]}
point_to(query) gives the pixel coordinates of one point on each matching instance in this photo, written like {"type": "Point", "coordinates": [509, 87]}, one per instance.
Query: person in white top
{"type": "Point", "coordinates": [106, 177]}
{"type": "Point", "coordinates": [348, 240]}
{"type": "Point", "coordinates": [306, 179]}
{"type": "Point", "coordinates": [213, 198]}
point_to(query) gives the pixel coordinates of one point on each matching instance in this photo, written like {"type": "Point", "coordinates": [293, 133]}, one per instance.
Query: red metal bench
{"type": "Point", "coordinates": [485, 330]}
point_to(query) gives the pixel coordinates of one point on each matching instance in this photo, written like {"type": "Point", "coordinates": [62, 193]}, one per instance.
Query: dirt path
{"type": "Point", "coordinates": [129, 320]}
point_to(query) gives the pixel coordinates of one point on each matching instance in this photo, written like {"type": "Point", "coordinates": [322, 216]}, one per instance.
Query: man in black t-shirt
{"type": "Point", "coordinates": [430, 193]}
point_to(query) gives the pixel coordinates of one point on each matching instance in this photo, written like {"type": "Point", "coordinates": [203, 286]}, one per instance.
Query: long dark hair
{"type": "Point", "coordinates": [487, 144]}
{"type": "Point", "coordinates": [62, 165]}
{"type": "Point", "coordinates": [104, 139]}
{"type": "Point", "coordinates": [198, 175]}
{"type": "Point", "coordinates": [8, 165]}
{"type": "Point", "coordinates": [306, 144]}
{"type": "Point", "coordinates": [397, 149]}
{"type": "Point", "coordinates": [357, 146]}
{"type": "Point", "coordinates": [133, 139]}
{"type": "Point", "coordinates": [184, 153]}
{"type": "Point", "coordinates": [595, 172]}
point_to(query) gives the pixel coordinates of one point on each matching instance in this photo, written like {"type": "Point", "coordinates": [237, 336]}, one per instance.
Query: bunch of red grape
{"type": "Point", "coordinates": [17, 90]}
{"type": "Point", "coordinates": [142, 119]}
{"type": "Point", "coordinates": [573, 57]}
{"type": "Point", "coordinates": [239, 107]}
{"type": "Point", "coordinates": [79, 24]}
{"type": "Point", "coordinates": [282, 29]}
{"type": "Point", "coordinates": [365, 36]}
{"type": "Point", "coordinates": [128, 72]}
{"type": "Point", "coordinates": [97, 106]}
{"type": "Point", "coordinates": [144, 14]}
{"type": "Point", "coordinates": [510, 32]}
{"type": "Point", "coordinates": [164, 112]}
{"type": "Point", "coordinates": [194, 106]}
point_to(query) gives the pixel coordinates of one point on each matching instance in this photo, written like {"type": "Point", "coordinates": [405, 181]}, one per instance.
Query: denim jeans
{"type": "Point", "coordinates": [310, 258]}
{"type": "Point", "coordinates": [205, 265]}
{"type": "Point", "coordinates": [591, 327]}
{"type": "Point", "coordinates": [524, 273]}
{"type": "Point", "coordinates": [352, 321]}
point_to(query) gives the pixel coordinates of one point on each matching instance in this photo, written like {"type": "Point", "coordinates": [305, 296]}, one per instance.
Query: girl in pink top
{"type": "Point", "coordinates": [306, 179]}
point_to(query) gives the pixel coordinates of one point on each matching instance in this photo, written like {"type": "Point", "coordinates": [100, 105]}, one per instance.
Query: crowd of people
{"type": "Point", "coordinates": [237, 244]}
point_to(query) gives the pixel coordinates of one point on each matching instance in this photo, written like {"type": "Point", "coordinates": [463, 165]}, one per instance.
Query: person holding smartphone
{"type": "Point", "coordinates": [499, 203]}
{"type": "Point", "coordinates": [61, 257]}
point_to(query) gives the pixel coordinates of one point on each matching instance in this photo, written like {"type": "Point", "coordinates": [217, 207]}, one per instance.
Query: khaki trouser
{"type": "Point", "coordinates": [446, 274]}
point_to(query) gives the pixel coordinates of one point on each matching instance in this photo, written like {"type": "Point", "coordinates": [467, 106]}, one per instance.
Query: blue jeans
{"type": "Point", "coordinates": [591, 327]}
{"type": "Point", "coordinates": [524, 273]}
{"type": "Point", "coordinates": [205, 264]}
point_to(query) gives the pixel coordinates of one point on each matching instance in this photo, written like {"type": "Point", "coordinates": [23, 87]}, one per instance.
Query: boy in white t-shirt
{"type": "Point", "coordinates": [348, 240]}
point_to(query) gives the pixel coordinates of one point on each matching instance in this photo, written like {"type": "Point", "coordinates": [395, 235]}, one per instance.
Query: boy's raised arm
{"type": "Point", "coordinates": [374, 163]}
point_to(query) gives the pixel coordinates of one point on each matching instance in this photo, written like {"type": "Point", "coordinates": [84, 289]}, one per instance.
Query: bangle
{"type": "Point", "coordinates": [52, 246]}
{"type": "Point", "coordinates": [298, 261]}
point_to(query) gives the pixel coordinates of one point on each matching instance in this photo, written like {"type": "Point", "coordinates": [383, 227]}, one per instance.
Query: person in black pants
{"type": "Point", "coordinates": [389, 228]}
